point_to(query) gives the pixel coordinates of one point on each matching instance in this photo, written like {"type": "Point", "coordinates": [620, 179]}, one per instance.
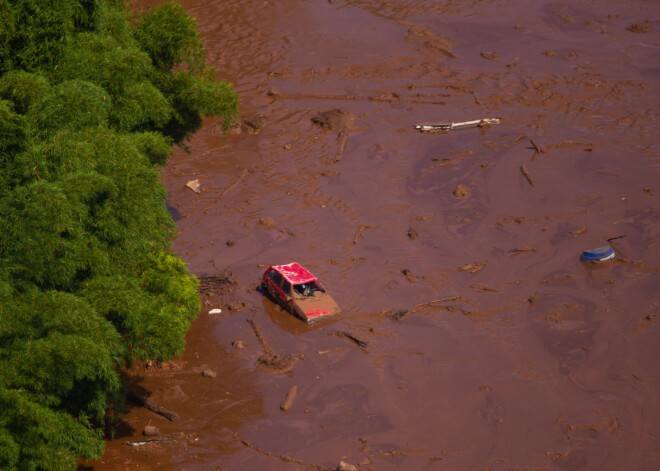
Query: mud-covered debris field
{"type": "Point", "coordinates": [471, 334]}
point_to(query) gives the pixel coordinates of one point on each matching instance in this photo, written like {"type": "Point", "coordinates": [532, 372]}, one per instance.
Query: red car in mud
{"type": "Point", "coordinates": [298, 291]}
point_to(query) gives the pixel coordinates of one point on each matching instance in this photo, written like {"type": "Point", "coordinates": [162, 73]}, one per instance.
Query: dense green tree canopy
{"type": "Point", "coordinates": [91, 101]}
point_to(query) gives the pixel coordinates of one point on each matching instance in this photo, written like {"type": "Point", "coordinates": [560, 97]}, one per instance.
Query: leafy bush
{"type": "Point", "coordinates": [91, 102]}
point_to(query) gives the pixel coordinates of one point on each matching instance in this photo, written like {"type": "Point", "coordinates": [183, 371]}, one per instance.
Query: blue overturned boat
{"type": "Point", "coordinates": [598, 255]}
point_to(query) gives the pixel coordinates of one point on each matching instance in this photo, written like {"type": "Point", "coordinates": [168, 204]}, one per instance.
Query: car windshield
{"type": "Point", "coordinates": [306, 289]}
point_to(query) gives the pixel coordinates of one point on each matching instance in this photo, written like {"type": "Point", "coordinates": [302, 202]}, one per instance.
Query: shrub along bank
{"type": "Point", "coordinates": [91, 101]}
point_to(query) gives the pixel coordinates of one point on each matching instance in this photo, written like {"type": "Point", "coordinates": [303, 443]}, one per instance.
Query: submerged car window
{"type": "Point", "coordinates": [286, 287]}
{"type": "Point", "coordinates": [306, 289]}
{"type": "Point", "coordinates": [276, 278]}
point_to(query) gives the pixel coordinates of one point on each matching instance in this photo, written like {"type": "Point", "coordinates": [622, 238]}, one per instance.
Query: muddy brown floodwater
{"type": "Point", "coordinates": [471, 337]}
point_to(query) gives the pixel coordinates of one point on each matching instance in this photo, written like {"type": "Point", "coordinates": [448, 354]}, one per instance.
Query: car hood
{"type": "Point", "coordinates": [319, 305]}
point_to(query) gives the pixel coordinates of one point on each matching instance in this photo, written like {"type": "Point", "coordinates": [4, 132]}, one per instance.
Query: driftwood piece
{"type": "Point", "coordinates": [361, 230]}
{"type": "Point", "coordinates": [526, 174]}
{"type": "Point", "coordinates": [262, 340]}
{"type": "Point", "coordinates": [472, 267]}
{"type": "Point", "coordinates": [170, 437]}
{"type": "Point", "coordinates": [517, 251]}
{"type": "Point", "coordinates": [456, 125]}
{"type": "Point", "coordinates": [270, 360]}
{"type": "Point", "coordinates": [348, 335]}
{"type": "Point", "coordinates": [152, 406]}
{"type": "Point", "coordinates": [290, 397]}
{"type": "Point", "coordinates": [615, 238]}
{"type": "Point", "coordinates": [284, 458]}
{"type": "Point", "coordinates": [537, 149]}
{"type": "Point", "coordinates": [443, 300]}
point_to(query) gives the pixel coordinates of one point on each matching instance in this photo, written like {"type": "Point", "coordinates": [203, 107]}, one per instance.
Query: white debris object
{"type": "Point", "coordinates": [194, 185]}
{"type": "Point", "coordinates": [445, 127]}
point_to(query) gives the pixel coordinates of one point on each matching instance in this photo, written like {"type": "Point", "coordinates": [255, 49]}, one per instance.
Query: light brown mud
{"type": "Point", "coordinates": [505, 351]}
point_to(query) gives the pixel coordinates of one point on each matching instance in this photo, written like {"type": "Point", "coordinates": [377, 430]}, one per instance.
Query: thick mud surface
{"type": "Point", "coordinates": [471, 335]}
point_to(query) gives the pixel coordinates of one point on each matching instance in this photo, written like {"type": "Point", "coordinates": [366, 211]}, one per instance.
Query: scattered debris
{"type": "Point", "coordinates": [209, 373]}
{"type": "Point", "coordinates": [152, 406]}
{"type": "Point", "coordinates": [431, 40]}
{"type": "Point", "coordinates": [164, 365]}
{"type": "Point", "coordinates": [267, 222]}
{"type": "Point", "coordinates": [444, 162]}
{"type": "Point", "coordinates": [639, 28]}
{"type": "Point", "coordinates": [215, 311]}
{"type": "Point", "coordinates": [409, 276]}
{"type": "Point", "coordinates": [526, 174]}
{"type": "Point", "coordinates": [209, 284]}
{"type": "Point", "coordinates": [491, 56]}
{"type": "Point", "coordinates": [334, 120]}
{"type": "Point", "coordinates": [194, 185]}
{"type": "Point", "coordinates": [472, 267]}
{"type": "Point", "coordinates": [517, 251]}
{"type": "Point", "coordinates": [274, 364]}
{"type": "Point", "coordinates": [579, 231]}
{"type": "Point", "coordinates": [290, 397]}
{"type": "Point", "coordinates": [236, 306]}
{"type": "Point", "coordinates": [615, 238]}
{"type": "Point", "coordinates": [361, 230]}
{"type": "Point", "coordinates": [443, 300]}
{"type": "Point", "coordinates": [483, 289]}
{"type": "Point", "coordinates": [271, 360]}
{"type": "Point", "coordinates": [401, 314]}
{"type": "Point", "coordinates": [170, 437]}
{"type": "Point", "coordinates": [600, 254]}
{"type": "Point", "coordinates": [339, 121]}
{"type": "Point", "coordinates": [343, 466]}
{"type": "Point", "coordinates": [284, 458]}
{"type": "Point", "coordinates": [461, 191]}
{"type": "Point", "coordinates": [150, 431]}
{"type": "Point", "coordinates": [251, 124]}
{"type": "Point", "coordinates": [239, 344]}
{"type": "Point", "coordinates": [537, 148]}
{"type": "Point", "coordinates": [453, 126]}
{"type": "Point", "coordinates": [348, 335]}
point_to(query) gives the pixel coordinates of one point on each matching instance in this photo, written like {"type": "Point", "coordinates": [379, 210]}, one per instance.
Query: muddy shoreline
{"type": "Point", "coordinates": [455, 257]}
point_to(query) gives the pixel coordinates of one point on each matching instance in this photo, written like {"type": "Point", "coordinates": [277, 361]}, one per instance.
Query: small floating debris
{"type": "Point", "coordinates": [454, 126]}
{"type": "Point", "coordinates": [288, 400]}
{"type": "Point", "coordinates": [598, 255]}
{"type": "Point", "coordinates": [194, 185]}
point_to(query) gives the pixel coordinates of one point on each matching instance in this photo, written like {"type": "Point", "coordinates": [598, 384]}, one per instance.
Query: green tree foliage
{"type": "Point", "coordinates": [91, 101]}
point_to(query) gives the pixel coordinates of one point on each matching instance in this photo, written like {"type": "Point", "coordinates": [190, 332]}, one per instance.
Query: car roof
{"type": "Point", "coordinates": [295, 273]}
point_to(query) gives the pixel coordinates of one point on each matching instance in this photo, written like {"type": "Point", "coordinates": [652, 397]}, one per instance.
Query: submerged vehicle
{"type": "Point", "coordinates": [298, 291]}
